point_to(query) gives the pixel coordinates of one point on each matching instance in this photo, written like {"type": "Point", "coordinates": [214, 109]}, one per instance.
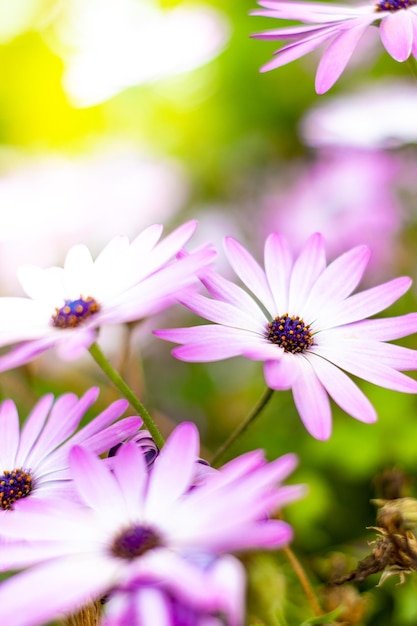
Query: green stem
{"type": "Point", "coordinates": [257, 410]}
{"type": "Point", "coordinates": [118, 381]}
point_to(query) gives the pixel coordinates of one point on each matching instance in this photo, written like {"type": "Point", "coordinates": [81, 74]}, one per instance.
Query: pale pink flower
{"type": "Point", "coordinates": [66, 306]}
{"type": "Point", "coordinates": [341, 27]}
{"type": "Point", "coordinates": [302, 321]}
{"type": "Point", "coordinates": [136, 526]}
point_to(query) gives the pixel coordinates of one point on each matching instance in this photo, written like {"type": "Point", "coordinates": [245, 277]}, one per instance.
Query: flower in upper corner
{"type": "Point", "coordinates": [141, 527]}
{"type": "Point", "coordinates": [34, 460]}
{"type": "Point", "coordinates": [303, 322]}
{"type": "Point", "coordinates": [341, 27]}
{"type": "Point", "coordinates": [67, 305]}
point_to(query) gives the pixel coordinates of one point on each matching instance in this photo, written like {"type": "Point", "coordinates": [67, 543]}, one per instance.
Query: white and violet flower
{"type": "Point", "coordinates": [66, 306]}
{"type": "Point", "coordinates": [302, 321]}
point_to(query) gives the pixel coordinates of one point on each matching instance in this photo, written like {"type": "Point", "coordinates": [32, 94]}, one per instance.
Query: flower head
{"type": "Point", "coordinates": [34, 460]}
{"type": "Point", "coordinates": [341, 27]}
{"type": "Point", "coordinates": [303, 322]}
{"type": "Point", "coordinates": [140, 526]}
{"type": "Point", "coordinates": [67, 305]}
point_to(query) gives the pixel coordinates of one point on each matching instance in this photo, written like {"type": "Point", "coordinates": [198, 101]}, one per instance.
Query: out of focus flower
{"type": "Point", "coordinates": [378, 116]}
{"type": "Point", "coordinates": [144, 188]}
{"type": "Point", "coordinates": [34, 460]}
{"type": "Point", "coordinates": [303, 323]}
{"type": "Point", "coordinates": [347, 195]}
{"type": "Point", "coordinates": [67, 305]}
{"type": "Point", "coordinates": [341, 26]}
{"type": "Point", "coordinates": [140, 526]}
{"type": "Point", "coordinates": [110, 45]}
{"type": "Point", "coordinates": [222, 585]}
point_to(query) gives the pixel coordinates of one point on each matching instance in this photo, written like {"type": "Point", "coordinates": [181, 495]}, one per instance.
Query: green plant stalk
{"type": "Point", "coordinates": [256, 411]}
{"type": "Point", "coordinates": [126, 391]}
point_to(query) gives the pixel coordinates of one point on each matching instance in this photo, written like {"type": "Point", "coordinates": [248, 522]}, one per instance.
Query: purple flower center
{"type": "Point", "coordinates": [290, 333]}
{"type": "Point", "coordinates": [14, 485]}
{"type": "Point", "coordinates": [74, 312]}
{"type": "Point", "coordinates": [135, 541]}
{"type": "Point", "coordinates": [394, 5]}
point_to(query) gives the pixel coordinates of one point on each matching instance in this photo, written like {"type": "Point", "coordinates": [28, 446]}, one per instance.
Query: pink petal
{"type": "Point", "coordinates": [278, 265]}
{"type": "Point", "coordinates": [298, 49]}
{"type": "Point", "coordinates": [336, 57]}
{"type": "Point", "coordinates": [43, 284]}
{"type": "Point", "coordinates": [307, 268]}
{"type": "Point", "coordinates": [224, 313]}
{"type": "Point", "coordinates": [363, 304]}
{"type": "Point", "coordinates": [280, 374]}
{"type": "Point", "coordinates": [368, 368]}
{"type": "Point", "coordinates": [95, 484]}
{"type": "Point", "coordinates": [26, 352]}
{"type": "Point", "coordinates": [222, 289]}
{"type": "Point", "coordinates": [310, 11]}
{"type": "Point", "coordinates": [396, 30]}
{"type": "Point", "coordinates": [78, 269]}
{"type": "Point", "coordinates": [130, 462]}
{"type": "Point", "coordinates": [42, 593]}
{"type": "Point", "coordinates": [385, 328]}
{"type": "Point", "coordinates": [312, 402]}
{"type": "Point", "coordinates": [33, 427]}
{"type": "Point", "coordinates": [337, 281]}
{"type": "Point", "coordinates": [249, 272]}
{"type": "Point", "coordinates": [152, 608]}
{"type": "Point", "coordinates": [173, 470]}
{"type": "Point", "coordinates": [343, 390]}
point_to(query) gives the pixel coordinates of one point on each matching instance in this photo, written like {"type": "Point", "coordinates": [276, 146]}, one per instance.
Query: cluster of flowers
{"type": "Point", "coordinates": [151, 532]}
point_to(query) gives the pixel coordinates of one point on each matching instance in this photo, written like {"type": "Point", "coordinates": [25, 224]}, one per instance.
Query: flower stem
{"type": "Point", "coordinates": [304, 582]}
{"type": "Point", "coordinates": [124, 388]}
{"type": "Point", "coordinates": [258, 408]}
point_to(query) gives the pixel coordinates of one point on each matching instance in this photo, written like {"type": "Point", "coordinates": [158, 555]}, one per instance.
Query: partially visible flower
{"type": "Point", "coordinates": [350, 196]}
{"type": "Point", "coordinates": [380, 115]}
{"type": "Point", "coordinates": [341, 26]}
{"type": "Point", "coordinates": [221, 599]}
{"type": "Point", "coordinates": [34, 460]}
{"type": "Point", "coordinates": [139, 526]}
{"type": "Point", "coordinates": [149, 449]}
{"type": "Point", "coordinates": [303, 323]}
{"type": "Point", "coordinates": [126, 282]}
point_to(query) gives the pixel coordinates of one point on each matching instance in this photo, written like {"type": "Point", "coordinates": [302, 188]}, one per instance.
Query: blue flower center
{"type": "Point", "coordinates": [135, 541]}
{"type": "Point", "coordinates": [14, 485]}
{"type": "Point", "coordinates": [290, 333]}
{"type": "Point", "coordinates": [75, 312]}
{"type": "Point", "coordinates": [394, 5]}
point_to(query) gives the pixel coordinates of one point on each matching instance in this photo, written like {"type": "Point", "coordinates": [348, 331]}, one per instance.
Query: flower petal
{"type": "Point", "coordinates": [396, 31]}
{"type": "Point", "coordinates": [307, 268]}
{"type": "Point", "coordinates": [9, 435]}
{"type": "Point", "coordinates": [278, 265]}
{"type": "Point", "coordinates": [337, 55]}
{"type": "Point", "coordinates": [312, 401]}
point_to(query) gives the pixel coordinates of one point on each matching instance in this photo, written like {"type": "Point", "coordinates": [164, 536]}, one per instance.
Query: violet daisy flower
{"type": "Point", "coordinates": [342, 27]}
{"type": "Point", "coordinates": [221, 599]}
{"type": "Point", "coordinates": [137, 525]}
{"type": "Point", "coordinates": [34, 460]}
{"type": "Point", "coordinates": [67, 305]}
{"type": "Point", "coordinates": [303, 323]}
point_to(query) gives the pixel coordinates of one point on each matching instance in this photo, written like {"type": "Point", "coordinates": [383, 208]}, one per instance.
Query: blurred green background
{"type": "Point", "coordinates": [225, 129]}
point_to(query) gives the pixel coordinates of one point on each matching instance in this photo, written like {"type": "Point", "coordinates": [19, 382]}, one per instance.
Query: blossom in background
{"type": "Point", "coordinates": [140, 526]}
{"type": "Point", "coordinates": [342, 26]}
{"type": "Point", "coordinates": [147, 43]}
{"type": "Point", "coordinates": [222, 585]}
{"type": "Point", "coordinates": [67, 305]}
{"type": "Point", "coordinates": [350, 196]}
{"type": "Point", "coordinates": [380, 115]}
{"type": "Point", "coordinates": [34, 460]}
{"type": "Point", "coordinates": [303, 323]}
{"type": "Point", "coordinates": [144, 188]}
